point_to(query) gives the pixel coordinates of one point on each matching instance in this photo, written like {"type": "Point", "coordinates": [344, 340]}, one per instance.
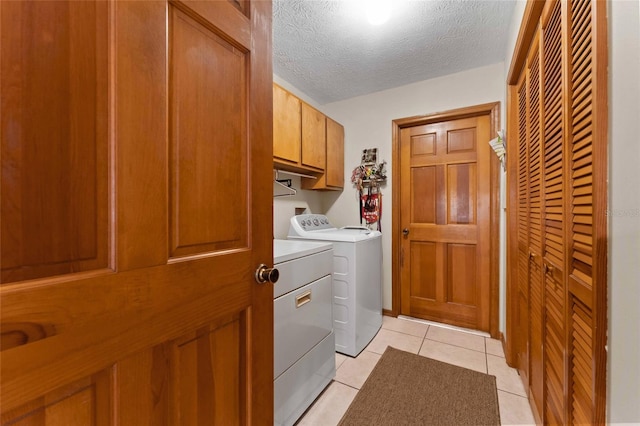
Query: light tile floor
{"type": "Point", "coordinates": [461, 348]}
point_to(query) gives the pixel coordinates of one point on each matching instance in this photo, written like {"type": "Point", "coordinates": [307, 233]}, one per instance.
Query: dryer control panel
{"type": "Point", "coordinates": [312, 222]}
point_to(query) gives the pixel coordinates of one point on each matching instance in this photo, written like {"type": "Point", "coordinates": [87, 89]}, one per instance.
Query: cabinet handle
{"type": "Point", "coordinates": [303, 299]}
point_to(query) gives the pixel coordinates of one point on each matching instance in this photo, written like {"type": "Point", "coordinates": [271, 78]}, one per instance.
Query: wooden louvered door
{"type": "Point", "coordinates": [136, 206]}
{"type": "Point", "coordinates": [587, 202]}
{"type": "Point", "coordinates": [558, 116]}
{"type": "Point", "coordinates": [553, 208]}
{"type": "Point", "coordinates": [534, 180]}
{"type": "Point", "coordinates": [522, 306]}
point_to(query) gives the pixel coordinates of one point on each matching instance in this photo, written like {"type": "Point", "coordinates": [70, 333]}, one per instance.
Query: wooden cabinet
{"type": "Point", "coordinates": [313, 138]}
{"type": "Point", "coordinates": [306, 141]}
{"type": "Point", "coordinates": [557, 260]}
{"type": "Point", "coordinates": [298, 134]}
{"type": "Point", "coordinates": [333, 177]}
{"type": "Point", "coordinates": [286, 127]}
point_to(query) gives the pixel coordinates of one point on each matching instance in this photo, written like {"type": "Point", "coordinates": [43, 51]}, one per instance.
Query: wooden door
{"type": "Point", "coordinates": [553, 241]}
{"type": "Point", "coordinates": [445, 216]}
{"type": "Point", "coordinates": [522, 312]}
{"type": "Point", "coordinates": [136, 151]}
{"type": "Point", "coordinates": [534, 223]}
{"type": "Point", "coordinates": [565, 178]}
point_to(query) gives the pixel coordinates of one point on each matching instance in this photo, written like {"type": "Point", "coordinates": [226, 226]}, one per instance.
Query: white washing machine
{"type": "Point", "coordinates": [357, 278]}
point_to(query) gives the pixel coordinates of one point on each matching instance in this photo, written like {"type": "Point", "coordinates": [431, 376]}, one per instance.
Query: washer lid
{"type": "Point", "coordinates": [285, 250]}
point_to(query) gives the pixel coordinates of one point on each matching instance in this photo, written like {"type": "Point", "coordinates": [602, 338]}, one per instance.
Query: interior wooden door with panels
{"type": "Point", "coordinates": [136, 206]}
{"type": "Point", "coordinates": [445, 215]}
{"type": "Point", "coordinates": [564, 158]}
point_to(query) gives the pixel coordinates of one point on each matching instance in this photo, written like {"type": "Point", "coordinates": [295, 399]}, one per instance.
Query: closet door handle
{"type": "Point", "coordinates": [405, 231]}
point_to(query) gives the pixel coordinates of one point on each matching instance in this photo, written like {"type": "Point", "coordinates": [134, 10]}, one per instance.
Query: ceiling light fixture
{"type": "Point", "coordinates": [378, 11]}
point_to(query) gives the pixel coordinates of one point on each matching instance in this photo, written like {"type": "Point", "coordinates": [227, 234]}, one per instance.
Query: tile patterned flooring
{"type": "Point", "coordinates": [444, 344]}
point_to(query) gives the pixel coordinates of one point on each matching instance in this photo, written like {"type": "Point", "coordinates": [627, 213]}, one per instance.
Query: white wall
{"type": "Point", "coordinates": [623, 396]}
{"type": "Point", "coordinates": [367, 121]}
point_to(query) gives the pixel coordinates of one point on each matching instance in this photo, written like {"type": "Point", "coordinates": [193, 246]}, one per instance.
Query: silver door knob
{"type": "Point", "coordinates": [405, 231]}
{"type": "Point", "coordinates": [264, 274]}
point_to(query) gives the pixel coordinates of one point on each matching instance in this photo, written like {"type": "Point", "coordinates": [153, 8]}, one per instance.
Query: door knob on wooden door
{"type": "Point", "coordinates": [264, 274]}
{"type": "Point", "coordinates": [405, 231]}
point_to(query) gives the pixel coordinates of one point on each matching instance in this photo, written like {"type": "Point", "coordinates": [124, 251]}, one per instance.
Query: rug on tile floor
{"type": "Point", "coordinates": [409, 389]}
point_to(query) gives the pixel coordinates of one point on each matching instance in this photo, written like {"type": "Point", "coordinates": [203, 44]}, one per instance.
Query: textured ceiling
{"type": "Point", "coordinates": [328, 50]}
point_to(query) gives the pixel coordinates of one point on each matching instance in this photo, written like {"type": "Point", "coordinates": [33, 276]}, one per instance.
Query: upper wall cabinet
{"type": "Point", "coordinates": [313, 138]}
{"type": "Point", "coordinates": [286, 127]}
{"type": "Point", "coordinates": [306, 141]}
{"type": "Point", "coordinates": [333, 178]}
{"type": "Point", "coordinates": [298, 134]}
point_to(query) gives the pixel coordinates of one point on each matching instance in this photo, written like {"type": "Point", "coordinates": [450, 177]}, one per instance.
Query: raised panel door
{"type": "Point", "coordinates": [445, 254]}
{"type": "Point", "coordinates": [151, 314]}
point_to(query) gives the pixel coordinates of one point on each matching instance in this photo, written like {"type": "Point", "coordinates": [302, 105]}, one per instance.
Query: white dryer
{"type": "Point", "coordinates": [357, 278]}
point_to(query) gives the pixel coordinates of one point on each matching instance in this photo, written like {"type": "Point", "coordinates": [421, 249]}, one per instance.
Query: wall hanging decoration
{"type": "Point", "coordinates": [367, 178]}
{"type": "Point", "coordinates": [499, 147]}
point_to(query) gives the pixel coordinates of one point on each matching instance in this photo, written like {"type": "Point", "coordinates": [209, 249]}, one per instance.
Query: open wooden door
{"type": "Point", "coordinates": [136, 207]}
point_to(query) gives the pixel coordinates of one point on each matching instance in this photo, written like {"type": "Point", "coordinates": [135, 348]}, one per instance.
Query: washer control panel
{"type": "Point", "coordinates": [312, 222]}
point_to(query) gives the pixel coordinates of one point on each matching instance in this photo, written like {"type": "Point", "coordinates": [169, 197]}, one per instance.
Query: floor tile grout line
{"type": "Point", "coordinates": [457, 346]}
{"type": "Point", "coordinates": [514, 394]}
{"type": "Point", "coordinates": [486, 357]}
{"type": "Point", "coordinates": [402, 332]}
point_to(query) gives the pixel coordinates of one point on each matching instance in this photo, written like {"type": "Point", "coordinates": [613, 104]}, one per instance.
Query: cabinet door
{"type": "Point", "coordinates": [286, 125]}
{"type": "Point", "coordinates": [313, 138]}
{"type": "Point", "coordinates": [334, 173]}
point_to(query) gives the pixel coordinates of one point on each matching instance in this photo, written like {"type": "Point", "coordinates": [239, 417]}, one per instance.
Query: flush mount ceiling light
{"type": "Point", "coordinates": [378, 11]}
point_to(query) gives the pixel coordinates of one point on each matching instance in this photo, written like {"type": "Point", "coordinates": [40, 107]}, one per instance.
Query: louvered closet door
{"type": "Point", "coordinates": [586, 260]}
{"type": "Point", "coordinates": [536, 295]}
{"type": "Point", "coordinates": [522, 315]}
{"type": "Point", "coordinates": [553, 240]}
{"type": "Point", "coordinates": [561, 201]}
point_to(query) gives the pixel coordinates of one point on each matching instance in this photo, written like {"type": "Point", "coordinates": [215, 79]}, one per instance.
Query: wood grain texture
{"type": "Point", "coordinates": [572, 74]}
{"type": "Point", "coordinates": [287, 126]}
{"type": "Point", "coordinates": [314, 138]}
{"type": "Point", "coordinates": [333, 176]}
{"type": "Point", "coordinates": [404, 129]}
{"type": "Point", "coordinates": [208, 115]}
{"type": "Point", "coordinates": [54, 149]}
{"type": "Point", "coordinates": [334, 169]}
{"type": "Point", "coordinates": [101, 346]}
{"type": "Point", "coordinates": [442, 191]}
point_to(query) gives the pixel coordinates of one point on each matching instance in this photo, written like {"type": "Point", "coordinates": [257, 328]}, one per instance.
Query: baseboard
{"type": "Point", "coordinates": [389, 313]}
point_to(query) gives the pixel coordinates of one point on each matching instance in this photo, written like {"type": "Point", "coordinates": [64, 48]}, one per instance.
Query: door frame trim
{"type": "Point", "coordinates": [493, 111]}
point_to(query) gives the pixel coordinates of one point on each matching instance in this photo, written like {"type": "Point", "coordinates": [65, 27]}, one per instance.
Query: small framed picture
{"type": "Point", "coordinates": [369, 156]}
